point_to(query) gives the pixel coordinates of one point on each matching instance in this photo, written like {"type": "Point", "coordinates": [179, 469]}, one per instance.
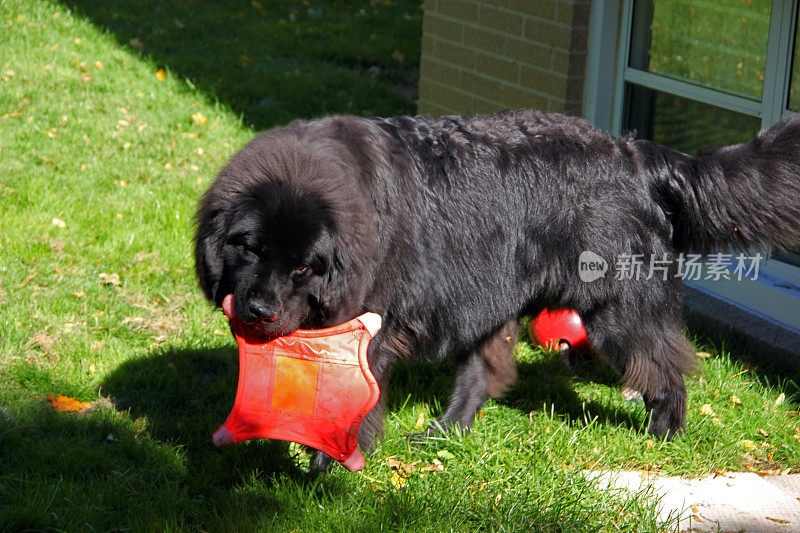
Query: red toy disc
{"type": "Point", "coordinates": [313, 387]}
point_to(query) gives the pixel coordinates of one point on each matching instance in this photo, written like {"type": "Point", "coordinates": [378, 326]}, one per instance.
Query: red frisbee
{"type": "Point", "coordinates": [313, 387]}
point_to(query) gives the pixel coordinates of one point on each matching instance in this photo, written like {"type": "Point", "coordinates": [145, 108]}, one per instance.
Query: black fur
{"type": "Point", "coordinates": [451, 228]}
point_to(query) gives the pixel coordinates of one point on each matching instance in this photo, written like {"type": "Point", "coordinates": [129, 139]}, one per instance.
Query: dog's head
{"type": "Point", "coordinates": [282, 246]}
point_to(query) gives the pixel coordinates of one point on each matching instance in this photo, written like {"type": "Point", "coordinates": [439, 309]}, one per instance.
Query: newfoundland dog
{"type": "Point", "coordinates": [451, 228]}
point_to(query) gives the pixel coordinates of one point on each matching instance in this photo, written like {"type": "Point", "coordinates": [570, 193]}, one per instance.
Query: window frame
{"type": "Point", "coordinates": [610, 36]}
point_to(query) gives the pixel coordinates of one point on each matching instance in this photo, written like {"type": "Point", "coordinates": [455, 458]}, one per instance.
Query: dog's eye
{"type": "Point", "coordinates": [299, 271]}
{"type": "Point", "coordinates": [248, 251]}
{"type": "Point", "coordinates": [244, 246]}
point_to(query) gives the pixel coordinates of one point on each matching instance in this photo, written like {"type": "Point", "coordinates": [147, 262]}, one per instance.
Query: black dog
{"type": "Point", "coordinates": [451, 228]}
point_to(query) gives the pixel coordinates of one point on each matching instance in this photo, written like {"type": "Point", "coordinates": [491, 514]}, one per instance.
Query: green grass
{"type": "Point", "coordinates": [101, 166]}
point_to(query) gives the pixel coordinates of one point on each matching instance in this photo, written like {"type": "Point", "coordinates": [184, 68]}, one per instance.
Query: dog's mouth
{"type": "Point", "coordinates": [270, 328]}
{"type": "Point", "coordinates": [277, 326]}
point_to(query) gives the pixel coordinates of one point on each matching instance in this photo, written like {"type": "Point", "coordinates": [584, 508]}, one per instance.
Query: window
{"type": "Point", "coordinates": [794, 90]}
{"type": "Point", "coordinates": [794, 105]}
{"type": "Point", "coordinates": [688, 73]}
{"type": "Point", "coordinates": [697, 72]}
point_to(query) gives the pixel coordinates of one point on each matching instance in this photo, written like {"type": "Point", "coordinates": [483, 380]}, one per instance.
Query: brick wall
{"type": "Point", "coordinates": [486, 55]}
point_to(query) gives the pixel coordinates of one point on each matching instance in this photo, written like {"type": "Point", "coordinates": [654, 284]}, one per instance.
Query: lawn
{"type": "Point", "coordinates": [114, 118]}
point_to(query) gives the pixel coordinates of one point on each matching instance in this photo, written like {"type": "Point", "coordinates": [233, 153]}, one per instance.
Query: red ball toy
{"type": "Point", "coordinates": [559, 329]}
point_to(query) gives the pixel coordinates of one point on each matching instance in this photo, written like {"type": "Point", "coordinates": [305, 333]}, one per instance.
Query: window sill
{"type": "Point", "coordinates": [763, 315]}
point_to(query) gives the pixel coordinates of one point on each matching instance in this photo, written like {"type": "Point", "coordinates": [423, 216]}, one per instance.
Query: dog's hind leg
{"type": "Point", "coordinates": [497, 352]}
{"type": "Point", "coordinates": [652, 356]}
{"type": "Point", "coordinates": [487, 370]}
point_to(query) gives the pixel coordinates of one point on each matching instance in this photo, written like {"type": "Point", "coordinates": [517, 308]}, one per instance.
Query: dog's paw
{"type": "Point", "coordinates": [422, 435]}
{"type": "Point", "coordinates": [321, 463]}
{"type": "Point", "coordinates": [439, 428]}
{"type": "Point", "coordinates": [667, 412]}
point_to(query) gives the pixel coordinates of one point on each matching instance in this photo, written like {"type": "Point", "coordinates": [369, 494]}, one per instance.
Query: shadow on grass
{"type": "Point", "coordinates": [545, 383]}
{"type": "Point", "coordinates": [149, 464]}
{"type": "Point", "coordinates": [272, 62]}
{"type": "Point", "coordinates": [772, 373]}
{"type": "Point", "coordinates": [184, 396]}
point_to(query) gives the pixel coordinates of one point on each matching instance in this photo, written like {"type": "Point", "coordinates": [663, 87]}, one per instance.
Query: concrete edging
{"type": "Point", "coordinates": [760, 336]}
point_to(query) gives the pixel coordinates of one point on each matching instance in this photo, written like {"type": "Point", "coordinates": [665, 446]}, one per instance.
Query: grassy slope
{"type": "Point", "coordinates": [91, 137]}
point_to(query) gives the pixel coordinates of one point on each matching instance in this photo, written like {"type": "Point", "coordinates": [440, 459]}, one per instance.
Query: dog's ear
{"type": "Point", "coordinates": [342, 294]}
{"type": "Point", "coordinates": [208, 253]}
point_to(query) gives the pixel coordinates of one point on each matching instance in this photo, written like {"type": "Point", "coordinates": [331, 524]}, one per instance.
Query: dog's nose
{"type": "Point", "coordinates": [262, 311]}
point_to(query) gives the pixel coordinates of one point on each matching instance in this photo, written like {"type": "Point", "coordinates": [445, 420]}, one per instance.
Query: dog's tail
{"type": "Point", "coordinates": [744, 196]}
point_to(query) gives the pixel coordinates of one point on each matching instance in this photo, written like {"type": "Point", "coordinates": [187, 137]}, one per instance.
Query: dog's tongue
{"type": "Point", "coordinates": [223, 438]}
{"type": "Point", "coordinates": [228, 307]}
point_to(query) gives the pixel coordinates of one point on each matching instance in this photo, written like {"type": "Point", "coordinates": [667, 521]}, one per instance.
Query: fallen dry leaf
{"type": "Point", "coordinates": [762, 432]}
{"type": "Point", "coordinates": [396, 464]}
{"type": "Point", "coordinates": [199, 119]}
{"type": "Point", "coordinates": [420, 421]}
{"type": "Point", "coordinates": [780, 399]}
{"type": "Point", "coordinates": [703, 355]}
{"type": "Point", "coordinates": [44, 341]}
{"type": "Point", "coordinates": [437, 466]}
{"type": "Point", "coordinates": [64, 404]}
{"type": "Point", "coordinates": [706, 409]}
{"type": "Point", "coordinates": [403, 470]}
{"type": "Point", "coordinates": [109, 279]}
{"type": "Point", "coordinates": [777, 520]}
{"type": "Point", "coordinates": [735, 400]}
{"type": "Point", "coordinates": [399, 480]}
{"type": "Point", "coordinates": [750, 445]}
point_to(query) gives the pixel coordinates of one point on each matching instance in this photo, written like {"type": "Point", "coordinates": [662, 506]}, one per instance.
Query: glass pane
{"type": "Point", "coordinates": [794, 90]}
{"type": "Point", "coordinates": [720, 44]}
{"type": "Point", "coordinates": [681, 123]}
